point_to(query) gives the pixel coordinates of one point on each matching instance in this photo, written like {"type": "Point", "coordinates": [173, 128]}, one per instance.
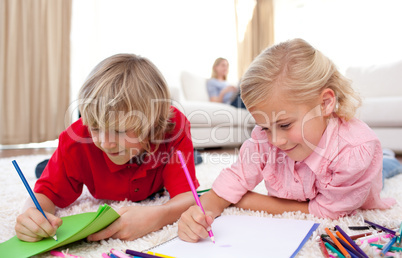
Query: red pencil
{"type": "Point", "coordinates": [323, 248]}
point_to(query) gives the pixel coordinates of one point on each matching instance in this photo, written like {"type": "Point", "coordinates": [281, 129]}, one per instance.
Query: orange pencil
{"type": "Point", "coordinates": [339, 245]}
{"type": "Point", "coordinates": [343, 238]}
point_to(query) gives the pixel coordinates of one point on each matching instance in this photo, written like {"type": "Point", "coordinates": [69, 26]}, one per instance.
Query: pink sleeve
{"type": "Point", "coordinates": [244, 175]}
{"type": "Point", "coordinates": [353, 178]}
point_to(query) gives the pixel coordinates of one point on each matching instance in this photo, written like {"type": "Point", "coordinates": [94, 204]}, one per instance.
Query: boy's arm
{"type": "Point", "coordinates": [137, 221]}
{"type": "Point", "coordinates": [31, 225]}
{"type": "Point", "coordinates": [259, 202]}
{"type": "Point", "coordinates": [193, 224]}
{"type": "Point", "coordinates": [46, 204]}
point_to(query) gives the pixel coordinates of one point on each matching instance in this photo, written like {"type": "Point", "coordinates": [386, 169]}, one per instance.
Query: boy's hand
{"type": "Point", "coordinates": [194, 224]}
{"type": "Point", "coordinates": [32, 226]}
{"type": "Point", "coordinates": [134, 222]}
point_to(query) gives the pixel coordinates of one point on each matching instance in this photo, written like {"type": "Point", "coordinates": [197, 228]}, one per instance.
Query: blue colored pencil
{"type": "Point", "coordinates": [33, 197]}
{"type": "Point", "coordinates": [386, 247]}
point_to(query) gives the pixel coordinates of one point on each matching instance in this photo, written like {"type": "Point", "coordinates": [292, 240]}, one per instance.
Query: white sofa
{"type": "Point", "coordinates": [212, 124]}
{"type": "Point", "coordinates": [381, 89]}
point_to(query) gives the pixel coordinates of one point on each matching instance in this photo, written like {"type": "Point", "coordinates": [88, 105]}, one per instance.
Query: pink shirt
{"type": "Point", "coordinates": [343, 174]}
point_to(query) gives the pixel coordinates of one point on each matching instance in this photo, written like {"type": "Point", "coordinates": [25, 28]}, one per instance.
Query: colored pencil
{"type": "Point", "coordinates": [340, 236]}
{"type": "Point", "coordinates": [350, 249]}
{"type": "Point", "coordinates": [119, 254]}
{"type": "Point", "coordinates": [159, 255]}
{"type": "Point", "coordinates": [354, 237]}
{"type": "Point", "coordinates": [393, 248]}
{"type": "Point", "coordinates": [31, 193]}
{"type": "Point", "coordinates": [339, 245]}
{"type": "Point", "coordinates": [386, 248]}
{"type": "Point", "coordinates": [381, 227]}
{"type": "Point", "coordinates": [360, 227]}
{"type": "Point", "coordinates": [323, 248]}
{"type": "Point", "coordinates": [398, 240]}
{"type": "Point", "coordinates": [330, 247]}
{"type": "Point", "coordinates": [190, 182]}
{"type": "Point", "coordinates": [139, 254]}
{"type": "Point", "coordinates": [350, 241]}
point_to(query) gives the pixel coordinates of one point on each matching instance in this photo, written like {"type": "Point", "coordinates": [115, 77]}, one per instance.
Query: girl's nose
{"type": "Point", "coordinates": [278, 140]}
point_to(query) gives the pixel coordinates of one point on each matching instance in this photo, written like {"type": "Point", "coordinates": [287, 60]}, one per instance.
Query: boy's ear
{"type": "Point", "coordinates": [328, 102]}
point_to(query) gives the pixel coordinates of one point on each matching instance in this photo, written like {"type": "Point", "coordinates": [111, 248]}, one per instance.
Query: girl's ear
{"type": "Point", "coordinates": [328, 102]}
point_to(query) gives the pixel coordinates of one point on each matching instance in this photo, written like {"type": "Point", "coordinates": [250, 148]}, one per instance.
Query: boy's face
{"type": "Point", "coordinates": [120, 147]}
{"type": "Point", "coordinates": [295, 129]}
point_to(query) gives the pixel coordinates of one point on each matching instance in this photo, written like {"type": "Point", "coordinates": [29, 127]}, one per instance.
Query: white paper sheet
{"type": "Point", "coordinates": [244, 236]}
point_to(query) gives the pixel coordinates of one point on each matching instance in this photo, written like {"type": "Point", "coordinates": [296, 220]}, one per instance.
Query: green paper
{"type": "Point", "coordinates": [74, 228]}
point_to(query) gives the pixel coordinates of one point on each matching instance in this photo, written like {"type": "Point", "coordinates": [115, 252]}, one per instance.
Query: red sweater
{"type": "Point", "coordinates": [77, 162]}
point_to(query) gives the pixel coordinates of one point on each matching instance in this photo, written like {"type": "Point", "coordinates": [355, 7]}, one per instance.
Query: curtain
{"type": "Point", "coordinates": [255, 30]}
{"type": "Point", "coordinates": [34, 69]}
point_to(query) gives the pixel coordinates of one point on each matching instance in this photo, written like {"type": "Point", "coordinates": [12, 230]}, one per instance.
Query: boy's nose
{"type": "Point", "coordinates": [107, 141]}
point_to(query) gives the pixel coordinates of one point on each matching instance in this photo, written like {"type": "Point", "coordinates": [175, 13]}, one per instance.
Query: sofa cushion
{"type": "Point", "coordinates": [377, 80]}
{"type": "Point", "coordinates": [194, 87]}
{"type": "Point", "coordinates": [215, 114]}
{"type": "Point", "coordinates": [382, 111]}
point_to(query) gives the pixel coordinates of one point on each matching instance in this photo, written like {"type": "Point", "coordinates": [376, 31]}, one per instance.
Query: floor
{"type": "Point", "coordinates": [48, 151]}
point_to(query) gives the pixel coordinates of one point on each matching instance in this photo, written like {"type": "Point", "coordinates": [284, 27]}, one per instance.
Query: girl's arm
{"type": "Point", "coordinates": [31, 225]}
{"type": "Point", "coordinates": [270, 204]}
{"type": "Point", "coordinates": [137, 221]}
{"type": "Point", "coordinates": [194, 224]}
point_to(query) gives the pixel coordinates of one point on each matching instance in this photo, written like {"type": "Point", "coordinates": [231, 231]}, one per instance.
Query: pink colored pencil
{"type": "Point", "coordinates": [190, 182]}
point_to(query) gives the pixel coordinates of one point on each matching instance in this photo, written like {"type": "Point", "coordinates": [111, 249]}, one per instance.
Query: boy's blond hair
{"type": "Point", "coordinates": [216, 63]}
{"type": "Point", "coordinates": [126, 92]}
{"type": "Point", "coordinates": [301, 73]}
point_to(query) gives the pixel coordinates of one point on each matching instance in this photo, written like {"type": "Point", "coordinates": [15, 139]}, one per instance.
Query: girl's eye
{"type": "Point", "coordinates": [285, 126]}
{"type": "Point", "coordinates": [120, 132]}
{"type": "Point", "coordinates": [94, 129]}
{"type": "Point", "coordinates": [265, 129]}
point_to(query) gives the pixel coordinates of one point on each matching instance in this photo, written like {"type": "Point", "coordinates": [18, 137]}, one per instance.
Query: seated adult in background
{"type": "Point", "coordinates": [219, 89]}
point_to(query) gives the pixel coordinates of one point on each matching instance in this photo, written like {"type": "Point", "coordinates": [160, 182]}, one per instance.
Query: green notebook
{"type": "Point", "coordinates": [74, 228]}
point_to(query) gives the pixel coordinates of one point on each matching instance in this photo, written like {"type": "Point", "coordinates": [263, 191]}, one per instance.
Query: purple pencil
{"type": "Point", "coordinates": [356, 247]}
{"type": "Point", "coordinates": [381, 227]}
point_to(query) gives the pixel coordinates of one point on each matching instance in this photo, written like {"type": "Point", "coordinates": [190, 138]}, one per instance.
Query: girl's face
{"type": "Point", "coordinates": [222, 68]}
{"type": "Point", "coordinates": [120, 147]}
{"type": "Point", "coordinates": [295, 129]}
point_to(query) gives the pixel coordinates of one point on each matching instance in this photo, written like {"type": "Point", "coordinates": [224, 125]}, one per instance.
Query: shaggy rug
{"type": "Point", "coordinates": [13, 194]}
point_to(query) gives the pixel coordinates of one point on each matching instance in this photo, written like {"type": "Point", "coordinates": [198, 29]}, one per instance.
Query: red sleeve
{"type": "Point", "coordinates": [55, 182]}
{"type": "Point", "coordinates": [174, 177]}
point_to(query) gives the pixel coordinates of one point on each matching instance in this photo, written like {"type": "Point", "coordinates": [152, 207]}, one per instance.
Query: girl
{"type": "Point", "coordinates": [313, 155]}
{"type": "Point", "coordinates": [123, 148]}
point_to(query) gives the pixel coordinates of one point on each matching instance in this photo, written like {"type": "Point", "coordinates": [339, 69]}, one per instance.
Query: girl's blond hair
{"type": "Point", "coordinates": [301, 73]}
{"type": "Point", "coordinates": [126, 92]}
{"type": "Point", "coordinates": [216, 63]}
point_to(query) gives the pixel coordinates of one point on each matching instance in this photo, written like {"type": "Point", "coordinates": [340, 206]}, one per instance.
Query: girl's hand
{"type": "Point", "coordinates": [32, 226]}
{"type": "Point", "coordinates": [194, 224]}
{"type": "Point", "coordinates": [134, 222]}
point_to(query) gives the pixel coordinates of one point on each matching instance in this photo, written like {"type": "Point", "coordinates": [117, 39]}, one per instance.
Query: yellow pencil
{"type": "Point", "coordinates": [160, 255]}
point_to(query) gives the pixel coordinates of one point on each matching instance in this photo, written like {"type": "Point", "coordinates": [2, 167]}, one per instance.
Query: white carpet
{"type": "Point", "coordinates": [13, 194]}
